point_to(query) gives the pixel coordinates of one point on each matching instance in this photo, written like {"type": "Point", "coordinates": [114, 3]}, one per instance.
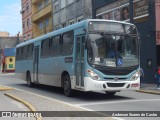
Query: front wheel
{"type": "Point", "coordinates": [67, 86]}
{"type": "Point", "coordinates": [110, 93]}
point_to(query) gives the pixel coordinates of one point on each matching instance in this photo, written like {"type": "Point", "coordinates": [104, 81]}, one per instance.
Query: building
{"type": "Point", "coordinates": [8, 62]}
{"type": "Point", "coordinates": [142, 14]}
{"type": "Point", "coordinates": [4, 34]}
{"type": "Point", "coordinates": [157, 7]}
{"type": "Point", "coordinates": [41, 17]}
{"type": "Point", "coordinates": [7, 43]}
{"type": "Point", "coordinates": [26, 12]}
{"type": "Point", "coordinates": [67, 12]}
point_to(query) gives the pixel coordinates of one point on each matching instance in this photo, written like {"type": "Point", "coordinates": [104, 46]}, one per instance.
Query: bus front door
{"type": "Point", "coordinates": [80, 61]}
{"type": "Point", "coordinates": [35, 66]}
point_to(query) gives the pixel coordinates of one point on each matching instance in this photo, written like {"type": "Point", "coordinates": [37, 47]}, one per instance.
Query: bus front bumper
{"type": "Point", "coordinates": [94, 85]}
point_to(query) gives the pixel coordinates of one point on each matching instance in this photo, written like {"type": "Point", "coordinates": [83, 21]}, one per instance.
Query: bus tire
{"type": "Point", "coordinates": [67, 86]}
{"type": "Point", "coordinates": [29, 82]}
{"type": "Point", "coordinates": [110, 93]}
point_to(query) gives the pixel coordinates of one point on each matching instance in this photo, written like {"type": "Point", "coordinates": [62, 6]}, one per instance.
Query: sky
{"type": "Point", "coordinates": [10, 17]}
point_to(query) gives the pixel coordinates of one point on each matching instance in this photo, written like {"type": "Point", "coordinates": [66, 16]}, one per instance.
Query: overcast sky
{"type": "Point", "coordinates": [10, 17]}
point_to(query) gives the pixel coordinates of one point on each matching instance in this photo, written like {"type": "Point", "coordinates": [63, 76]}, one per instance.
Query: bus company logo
{"type": "Point", "coordinates": [116, 78]}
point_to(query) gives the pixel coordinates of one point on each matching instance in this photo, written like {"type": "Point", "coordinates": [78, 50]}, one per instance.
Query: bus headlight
{"type": "Point", "coordinates": [92, 74]}
{"type": "Point", "coordinates": [135, 76]}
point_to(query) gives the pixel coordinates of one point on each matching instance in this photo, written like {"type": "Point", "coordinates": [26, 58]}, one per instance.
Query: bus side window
{"type": "Point", "coordinates": [45, 48]}
{"type": "Point", "coordinates": [30, 51]}
{"type": "Point", "coordinates": [17, 53]}
{"type": "Point", "coordinates": [55, 47]}
{"type": "Point", "coordinates": [25, 51]}
{"type": "Point", "coordinates": [21, 54]}
{"type": "Point", "coordinates": [67, 45]}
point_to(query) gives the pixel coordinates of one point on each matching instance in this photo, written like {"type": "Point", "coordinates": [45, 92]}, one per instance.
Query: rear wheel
{"type": "Point", "coordinates": [67, 86]}
{"type": "Point", "coordinates": [110, 93]}
{"type": "Point", "coordinates": [29, 82]}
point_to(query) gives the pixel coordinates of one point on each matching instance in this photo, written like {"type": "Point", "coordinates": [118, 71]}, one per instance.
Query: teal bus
{"type": "Point", "coordinates": [92, 55]}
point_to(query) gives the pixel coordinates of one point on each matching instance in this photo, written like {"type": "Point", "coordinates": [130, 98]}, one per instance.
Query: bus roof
{"type": "Point", "coordinates": [68, 28]}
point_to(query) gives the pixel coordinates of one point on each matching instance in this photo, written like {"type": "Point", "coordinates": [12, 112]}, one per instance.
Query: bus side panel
{"type": "Point", "coordinates": [48, 72]}
{"type": "Point", "coordinates": [18, 71]}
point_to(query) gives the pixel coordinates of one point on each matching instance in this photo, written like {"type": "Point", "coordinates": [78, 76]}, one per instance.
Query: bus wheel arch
{"type": "Point", "coordinates": [66, 84]}
{"type": "Point", "coordinates": [28, 79]}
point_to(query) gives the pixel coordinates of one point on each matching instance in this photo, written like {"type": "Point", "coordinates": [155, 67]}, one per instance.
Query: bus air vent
{"type": "Point", "coordinates": [115, 84]}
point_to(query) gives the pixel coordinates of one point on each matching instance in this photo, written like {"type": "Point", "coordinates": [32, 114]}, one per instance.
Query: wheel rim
{"type": "Point", "coordinates": [28, 80]}
{"type": "Point", "coordinates": [66, 86]}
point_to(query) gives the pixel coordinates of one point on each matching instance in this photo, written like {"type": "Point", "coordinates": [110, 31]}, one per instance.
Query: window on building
{"type": "Point", "coordinates": [23, 10]}
{"type": "Point", "coordinates": [28, 22]}
{"type": "Point", "coordinates": [40, 25]}
{"type": "Point", "coordinates": [64, 24]}
{"type": "Point", "coordinates": [55, 47]}
{"type": "Point", "coordinates": [79, 18]}
{"type": "Point", "coordinates": [40, 6]}
{"type": "Point", "coordinates": [27, 7]}
{"type": "Point", "coordinates": [57, 27]}
{"type": "Point", "coordinates": [70, 1]}
{"type": "Point", "coordinates": [47, 22]}
{"type": "Point", "coordinates": [23, 24]}
{"type": "Point", "coordinates": [29, 37]}
{"type": "Point", "coordinates": [45, 48]}
{"type": "Point", "coordinates": [67, 45]}
{"type": "Point", "coordinates": [46, 2]}
{"type": "Point", "coordinates": [24, 38]}
{"type": "Point", "coordinates": [56, 6]}
{"type": "Point", "coordinates": [63, 3]}
{"type": "Point", "coordinates": [71, 22]}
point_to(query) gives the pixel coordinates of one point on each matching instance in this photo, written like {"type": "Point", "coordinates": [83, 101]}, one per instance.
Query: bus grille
{"type": "Point", "coordinates": [116, 72]}
{"type": "Point", "coordinates": [115, 84]}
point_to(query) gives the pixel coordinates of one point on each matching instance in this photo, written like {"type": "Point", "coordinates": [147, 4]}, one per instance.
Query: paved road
{"type": "Point", "coordinates": [122, 101]}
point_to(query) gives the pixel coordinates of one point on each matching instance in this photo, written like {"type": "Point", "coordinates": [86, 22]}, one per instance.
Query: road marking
{"type": "Point", "coordinates": [117, 102]}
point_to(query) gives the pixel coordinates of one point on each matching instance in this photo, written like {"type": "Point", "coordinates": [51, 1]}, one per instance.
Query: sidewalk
{"type": "Point", "coordinates": [50, 109]}
{"type": "Point", "coordinates": [149, 88]}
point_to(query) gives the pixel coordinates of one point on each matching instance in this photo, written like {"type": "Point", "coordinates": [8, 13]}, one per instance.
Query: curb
{"type": "Point", "coordinates": [3, 88]}
{"type": "Point", "coordinates": [31, 107]}
{"type": "Point", "coordinates": [148, 91]}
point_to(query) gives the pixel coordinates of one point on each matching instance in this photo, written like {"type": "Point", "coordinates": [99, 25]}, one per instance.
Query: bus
{"type": "Point", "coordinates": [91, 55]}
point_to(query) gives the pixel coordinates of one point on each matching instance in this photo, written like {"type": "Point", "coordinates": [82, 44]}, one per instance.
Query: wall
{"type": "Point", "coordinates": [4, 34]}
{"type": "Point", "coordinates": [157, 4]}
{"type": "Point", "coordinates": [71, 12]}
{"type": "Point", "coordinates": [10, 64]}
{"type": "Point", "coordinates": [8, 42]}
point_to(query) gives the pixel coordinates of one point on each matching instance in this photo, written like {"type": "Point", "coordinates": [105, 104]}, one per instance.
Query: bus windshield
{"type": "Point", "coordinates": [113, 50]}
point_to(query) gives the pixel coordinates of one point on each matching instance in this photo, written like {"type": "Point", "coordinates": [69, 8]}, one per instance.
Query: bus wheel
{"type": "Point", "coordinates": [29, 83]}
{"type": "Point", "coordinates": [110, 93]}
{"type": "Point", "coordinates": [67, 86]}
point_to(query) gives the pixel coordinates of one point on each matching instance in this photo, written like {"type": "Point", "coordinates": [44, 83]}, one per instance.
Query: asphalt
{"type": "Point", "coordinates": [13, 100]}
{"type": "Point", "coordinates": [45, 108]}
